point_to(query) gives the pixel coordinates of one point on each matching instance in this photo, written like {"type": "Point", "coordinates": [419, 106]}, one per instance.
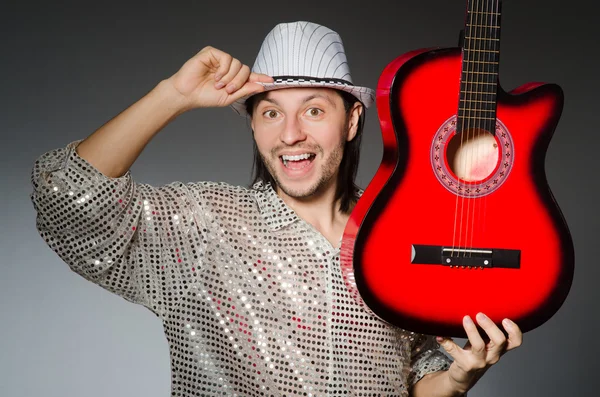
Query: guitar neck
{"type": "Point", "coordinates": [480, 61]}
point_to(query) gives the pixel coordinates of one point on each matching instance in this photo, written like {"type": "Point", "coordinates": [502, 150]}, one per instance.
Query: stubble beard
{"type": "Point", "coordinates": [328, 171]}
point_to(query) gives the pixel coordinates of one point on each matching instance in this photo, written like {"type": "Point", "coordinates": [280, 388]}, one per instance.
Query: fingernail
{"type": "Point", "coordinates": [219, 85]}
{"type": "Point", "coordinates": [230, 88]}
{"type": "Point", "coordinates": [218, 77]}
{"type": "Point", "coordinates": [507, 323]}
{"type": "Point", "coordinates": [439, 339]}
{"type": "Point", "coordinates": [468, 320]}
{"type": "Point", "coordinates": [481, 317]}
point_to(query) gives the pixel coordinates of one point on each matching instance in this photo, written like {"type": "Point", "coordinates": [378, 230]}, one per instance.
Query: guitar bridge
{"type": "Point", "coordinates": [463, 257]}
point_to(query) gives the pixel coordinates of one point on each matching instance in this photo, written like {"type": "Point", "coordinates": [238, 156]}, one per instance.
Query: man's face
{"type": "Point", "coordinates": [300, 134]}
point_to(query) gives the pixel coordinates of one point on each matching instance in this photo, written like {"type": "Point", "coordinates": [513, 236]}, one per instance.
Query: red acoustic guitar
{"type": "Point", "coordinates": [459, 217]}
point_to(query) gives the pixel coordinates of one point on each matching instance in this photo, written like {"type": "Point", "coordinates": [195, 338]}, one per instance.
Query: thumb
{"type": "Point", "coordinates": [450, 347]}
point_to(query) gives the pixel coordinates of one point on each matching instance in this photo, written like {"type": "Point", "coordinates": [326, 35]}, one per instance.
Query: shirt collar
{"type": "Point", "coordinates": [273, 209]}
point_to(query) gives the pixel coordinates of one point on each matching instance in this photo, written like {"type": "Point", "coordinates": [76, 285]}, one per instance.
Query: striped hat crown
{"type": "Point", "coordinates": [305, 54]}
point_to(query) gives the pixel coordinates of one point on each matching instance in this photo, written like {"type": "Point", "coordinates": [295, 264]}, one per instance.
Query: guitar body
{"type": "Point", "coordinates": [415, 207]}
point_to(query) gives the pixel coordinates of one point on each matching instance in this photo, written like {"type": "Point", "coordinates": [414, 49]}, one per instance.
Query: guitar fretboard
{"type": "Point", "coordinates": [479, 77]}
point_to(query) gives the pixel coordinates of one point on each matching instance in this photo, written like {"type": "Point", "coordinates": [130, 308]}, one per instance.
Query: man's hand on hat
{"type": "Point", "coordinates": [213, 78]}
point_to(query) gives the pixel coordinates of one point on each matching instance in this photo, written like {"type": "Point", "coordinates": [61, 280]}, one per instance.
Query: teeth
{"type": "Point", "coordinates": [296, 158]}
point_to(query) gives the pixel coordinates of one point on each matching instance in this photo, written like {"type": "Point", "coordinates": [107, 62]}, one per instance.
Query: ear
{"type": "Point", "coordinates": [353, 119]}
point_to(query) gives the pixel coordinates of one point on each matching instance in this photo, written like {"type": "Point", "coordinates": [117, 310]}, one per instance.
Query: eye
{"type": "Point", "coordinates": [270, 114]}
{"type": "Point", "coordinates": [314, 112]}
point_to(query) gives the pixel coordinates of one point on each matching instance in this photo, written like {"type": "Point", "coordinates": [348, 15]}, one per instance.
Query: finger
{"type": "Point", "coordinates": [239, 80]}
{"type": "Point", "coordinates": [497, 345]}
{"type": "Point", "coordinates": [515, 336]}
{"type": "Point", "coordinates": [222, 61]}
{"type": "Point", "coordinates": [475, 339]}
{"type": "Point", "coordinates": [233, 70]}
{"type": "Point", "coordinates": [215, 59]}
{"type": "Point", "coordinates": [448, 344]}
{"type": "Point", "coordinates": [246, 90]}
{"type": "Point", "coordinates": [260, 78]}
{"type": "Point", "coordinates": [495, 334]}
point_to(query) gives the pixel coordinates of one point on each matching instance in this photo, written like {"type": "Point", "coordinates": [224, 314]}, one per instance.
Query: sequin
{"type": "Point", "coordinates": [252, 299]}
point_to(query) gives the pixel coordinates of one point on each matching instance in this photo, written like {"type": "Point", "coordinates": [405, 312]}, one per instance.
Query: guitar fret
{"type": "Point", "coordinates": [475, 100]}
{"type": "Point", "coordinates": [478, 82]}
{"type": "Point", "coordinates": [481, 38]}
{"type": "Point", "coordinates": [492, 63]}
{"type": "Point", "coordinates": [478, 50]}
{"type": "Point", "coordinates": [483, 26]}
{"type": "Point", "coordinates": [476, 118]}
{"type": "Point", "coordinates": [477, 110]}
{"type": "Point", "coordinates": [473, 93]}
{"type": "Point", "coordinates": [477, 92]}
{"type": "Point", "coordinates": [485, 108]}
{"type": "Point", "coordinates": [483, 12]}
{"type": "Point", "coordinates": [469, 71]}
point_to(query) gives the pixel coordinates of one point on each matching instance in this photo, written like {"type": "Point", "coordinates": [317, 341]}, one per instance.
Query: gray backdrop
{"type": "Point", "coordinates": [67, 69]}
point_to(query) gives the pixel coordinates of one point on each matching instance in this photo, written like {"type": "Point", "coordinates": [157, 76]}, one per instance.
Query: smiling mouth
{"type": "Point", "coordinates": [297, 162]}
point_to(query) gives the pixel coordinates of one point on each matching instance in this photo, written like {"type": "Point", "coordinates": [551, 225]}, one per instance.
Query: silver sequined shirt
{"type": "Point", "coordinates": [253, 299]}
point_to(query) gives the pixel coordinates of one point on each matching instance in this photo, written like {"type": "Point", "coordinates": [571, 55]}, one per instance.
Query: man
{"type": "Point", "coordinates": [246, 281]}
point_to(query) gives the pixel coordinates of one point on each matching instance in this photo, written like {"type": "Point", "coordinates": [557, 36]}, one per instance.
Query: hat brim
{"type": "Point", "coordinates": [363, 94]}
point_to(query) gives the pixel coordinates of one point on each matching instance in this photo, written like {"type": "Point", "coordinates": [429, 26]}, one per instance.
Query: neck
{"type": "Point", "coordinates": [321, 210]}
{"type": "Point", "coordinates": [480, 66]}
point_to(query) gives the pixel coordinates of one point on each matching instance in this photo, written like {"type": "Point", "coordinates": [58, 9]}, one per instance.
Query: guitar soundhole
{"type": "Point", "coordinates": [472, 155]}
{"type": "Point", "coordinates": [474, 163]}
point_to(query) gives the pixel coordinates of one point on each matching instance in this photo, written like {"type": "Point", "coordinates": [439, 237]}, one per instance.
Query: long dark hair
{"type": "Point", "coordinates": [346, 187]}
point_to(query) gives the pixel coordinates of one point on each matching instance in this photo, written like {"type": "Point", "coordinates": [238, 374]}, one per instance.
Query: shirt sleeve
{"type": "Point", "coordinates": [426, 358]}
{"type": "Point", "coordinates": [140, 242]}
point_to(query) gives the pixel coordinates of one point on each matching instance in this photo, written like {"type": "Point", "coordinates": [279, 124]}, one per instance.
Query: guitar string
{"type": "Point", "coordinates": [463, 119]}
{"type": "Point", "coordinates": [492, 58]}
{"type": "Point", "coordinates": [490, 124]}
{"type": "Point", "coordinates": [471, 96]}
{"type": "Point", "coordinates": [486, 67]}
{"type": "Point", "coordinates": [482, 30]}
{"type": "Point", "coordinates": [479, 65]}
{"type": "Point", "coordinates": [476, 31]}
{"type": "Point", "coordinates": [497, 17]}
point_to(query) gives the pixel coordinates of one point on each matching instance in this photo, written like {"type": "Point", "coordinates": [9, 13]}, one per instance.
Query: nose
{"type": "Point", "coordinates": [292, 132]}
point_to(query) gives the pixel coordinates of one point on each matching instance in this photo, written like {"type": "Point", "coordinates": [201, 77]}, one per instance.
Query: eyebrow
{"type": "Point", "coordinates": [326, 97]}
{"type": "Point", "coordinates": [308, 98]}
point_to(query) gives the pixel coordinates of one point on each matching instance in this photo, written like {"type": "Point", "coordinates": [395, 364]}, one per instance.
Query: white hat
{"type": "Point", "coordinates": [305, 54]}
